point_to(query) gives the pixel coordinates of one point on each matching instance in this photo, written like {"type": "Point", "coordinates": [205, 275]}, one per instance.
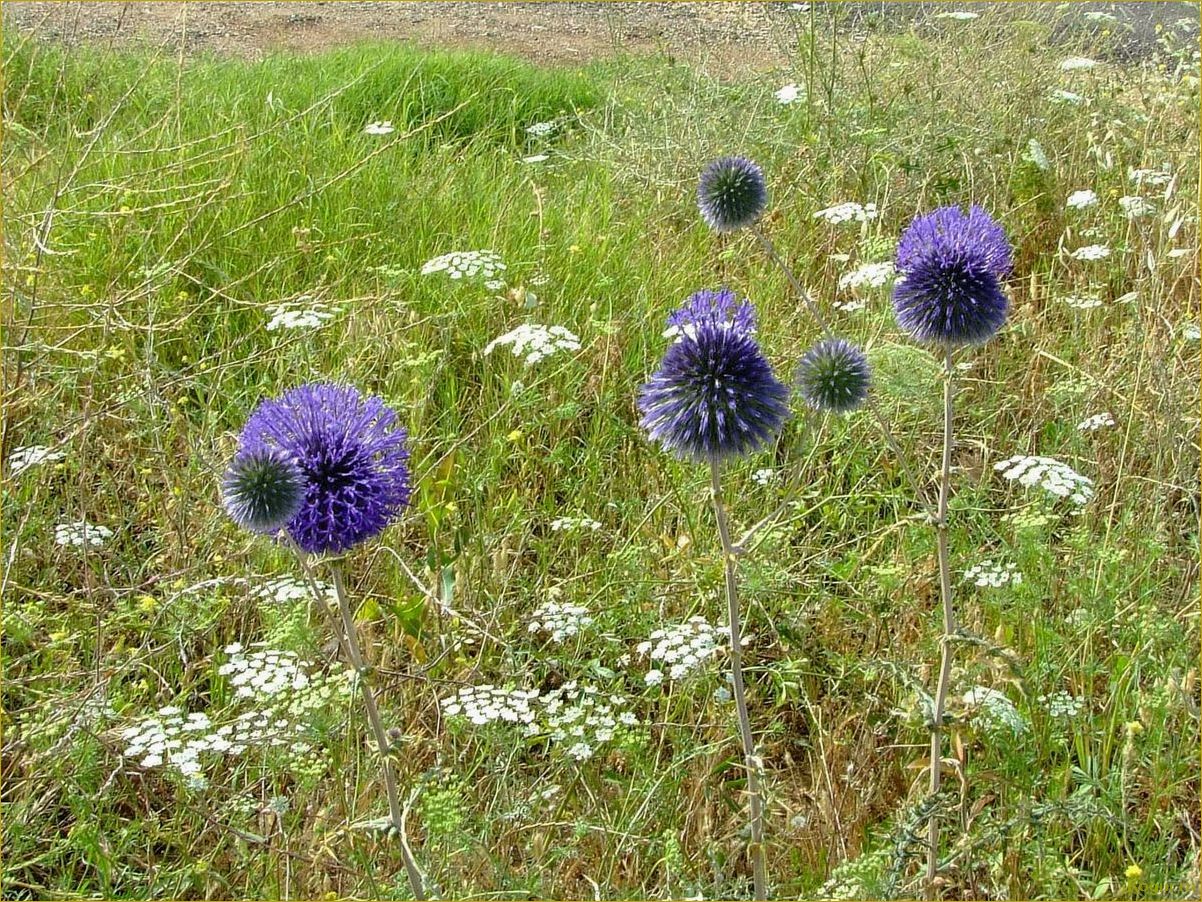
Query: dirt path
{"type": "Point", "coordinates": [543, 32]}
{"type": "Point", "coordinates": [728, 37]}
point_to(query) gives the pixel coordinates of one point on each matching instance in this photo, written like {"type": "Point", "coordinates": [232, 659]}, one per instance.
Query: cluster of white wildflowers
{"type": "Point", "coordinates": [1135, 206]}
{"type": "Point", "coordinates": [168, 738]}
{"type": "Point", "coordinates": [545, 129]}
{"type": "Point", "coordinates": [990, 574]}
{"type": "Point", "coordinates": [487, 704]}
{"type": "Point", "coordinates": [325, 688]}
{"type": "Point", "coordinates": [379, 127]}
{"type": "Point", "coordinates": [1037, 155]}
{"type": "Point", "coordinates": [1034, 517]}
{"type": "Point", "coordinates": [1091, 252]}
{"type": "Point", "coordinates": [574, 524]}
{"type": "Point", "coordinates": [1059, 95]}
{"type": "Point", "coordinates": [287, 589]}
{"type": "Point", "coordinates": [870, 275]}
{"type": "Point", "coordinates": [766, 476]}
{"type": "Point", "coordinates": [1062, 705]}
{"type": "Point", "coordinates": [263, 674]}
{"type": "Point", "coordinates": [958, 15]}
{"type": "Point", "coordinates": [282, 685]}
{"type": "Point", "coordinates": [859, 877]}
{"type": "Point", "coordinates": [80, 532]}
{"type": "Point", "coordinates": [58, 723]}
{"type": "Point", "coordinates": [1081, 200]}
{"type": "Point", "coordinates": [1152, 178]}
{"type": "Point", "coordinates": [1049, 474]}
{"type": "Point", "coordinates": [1081, 302]}
{"type": "Point", "coordinates": [847, 212]}
{"type": "Point", "coordinates": [582, 718]}
{"type": "Point", "coordinates": [992, 709]}
{"type": "Point", "coordinates": [177, 741]}
{"type": "Point", "coordinates": [303, 313]}
{"type": "Point", "coordinates": [680, 649]}
{"type": "Point", "coordinates": [485, 265]}
{"type": "Point", "coordinates": [285, 700]}
{"type": "Point", "coordinates": [535, 342]}
{"type": "Point", "coordinates": [1079, 618]}
{"type": "Point", "coordinates": [1096, 422]}
{"type": "Point", "coordinates": [560, 619]}
{"type": "Point", "coordinates": [788, 94]}
{"type": "Point", "coordinates": [23, 458]}
{"type": "Point", "coordinates": [1077, 63]}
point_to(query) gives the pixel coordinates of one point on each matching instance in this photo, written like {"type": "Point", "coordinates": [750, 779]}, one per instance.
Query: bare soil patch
{"type": "Point", "coordinates": [729, 37]}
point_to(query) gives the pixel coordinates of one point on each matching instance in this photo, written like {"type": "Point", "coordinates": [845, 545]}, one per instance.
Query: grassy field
{"type": "Point", "coordinates": [156, 215]}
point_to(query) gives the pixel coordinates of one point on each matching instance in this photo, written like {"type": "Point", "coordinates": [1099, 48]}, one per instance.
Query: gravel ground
{"type": "Point", "coordinates": [725, 36]}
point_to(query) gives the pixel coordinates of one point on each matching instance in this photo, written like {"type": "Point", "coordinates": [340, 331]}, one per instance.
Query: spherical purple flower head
{"type": "Point", "coordinates": [262, 489]}
{"type": "Point", "coordinates": [952, 266]}
{"type": "Point", "coordinates": [732, 193]}
{"type": "Point", "coordinates": [833, 375]}
{"type": "Point", "coordinates": [714, 396]}
{"type": "Point", "coordinates": [351, 453]}
{"type": "Point", "coordinates": [717, 307]}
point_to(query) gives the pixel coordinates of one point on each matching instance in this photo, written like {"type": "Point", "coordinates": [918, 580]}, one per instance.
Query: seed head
{"type": "Point", "coordinates": [262, 489]}
{"type": "Point", "coordinates": [833, 376]}
{"type": "Point", "coordinates": [732, 194]}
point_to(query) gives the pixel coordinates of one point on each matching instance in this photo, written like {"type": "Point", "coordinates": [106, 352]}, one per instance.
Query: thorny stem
{"type": "Point", "coordinates": [349, 643]}
{"type": "Point", "coordinates": [875, 409]}
{"type": "Point", "coordinates": [758, 854]}
{"type": "Point", "coordinates": [395, 813]}
{"type": "Point", "coordinates": [949, 622]}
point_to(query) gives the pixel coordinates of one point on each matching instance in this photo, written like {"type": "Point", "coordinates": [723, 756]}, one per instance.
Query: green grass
{"type": "Point", "coordinates": [186, 205]}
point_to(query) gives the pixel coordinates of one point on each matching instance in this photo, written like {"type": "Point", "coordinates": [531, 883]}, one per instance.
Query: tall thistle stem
{"type": "Point", "coordinates": [759, 861]}
{"type": "Point", "coordinates": [344, 629]}
{"type": "Point", "coordinates": [812, 307]}
{"type": "Point", "coordinates": [949, 620]}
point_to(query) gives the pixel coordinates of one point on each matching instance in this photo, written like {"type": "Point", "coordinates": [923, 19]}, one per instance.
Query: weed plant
{"type": "Point", "coordinates": [183, 239]}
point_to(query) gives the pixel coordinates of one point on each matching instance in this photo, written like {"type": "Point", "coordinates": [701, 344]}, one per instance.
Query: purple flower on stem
{"type": "Point", "coordinates": [716, 307]}
{"type": "Point", "coordinates": [714, 396]}
{"type": "Point", "coordinates": [352, 457]}
{"type": "Point", "coordinates": [952, 265]}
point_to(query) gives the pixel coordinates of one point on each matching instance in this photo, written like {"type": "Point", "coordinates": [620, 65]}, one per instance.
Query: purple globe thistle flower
{"type": "Point", "coordinates": [732, 193]}
{"type": "Point", "coordinates": [718, 307]}
{"type": "Point", "coordinates": [262, 489]}
{"type": "Point", "coordinates": [714, 396]}
{"type": "Point", "coordinates": [833, 375]}
{"type": "Point", "coordinates": [952, 266]}
{"type": "Point", "coordinates": [351, 454]}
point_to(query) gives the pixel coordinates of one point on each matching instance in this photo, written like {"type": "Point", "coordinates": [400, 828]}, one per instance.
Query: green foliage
{"type": "Point", "coordinates": [190, 202]}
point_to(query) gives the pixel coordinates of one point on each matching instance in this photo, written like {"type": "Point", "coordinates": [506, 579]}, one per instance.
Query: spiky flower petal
{"type": "Point", "coordinates": [833, 376]}
{"type": "Point", "coordinates": [952, 265]}
{"type": "Point", "coordinates": [352, 457]}
{"type": "Point", "coordinates": [714, 396]}
{"type": "Point", "coordinates": [718, 307]}
{"type": "Point", "coordinates": [732, 193]}
{"type": "Point", "coordinates": [262, 489]}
